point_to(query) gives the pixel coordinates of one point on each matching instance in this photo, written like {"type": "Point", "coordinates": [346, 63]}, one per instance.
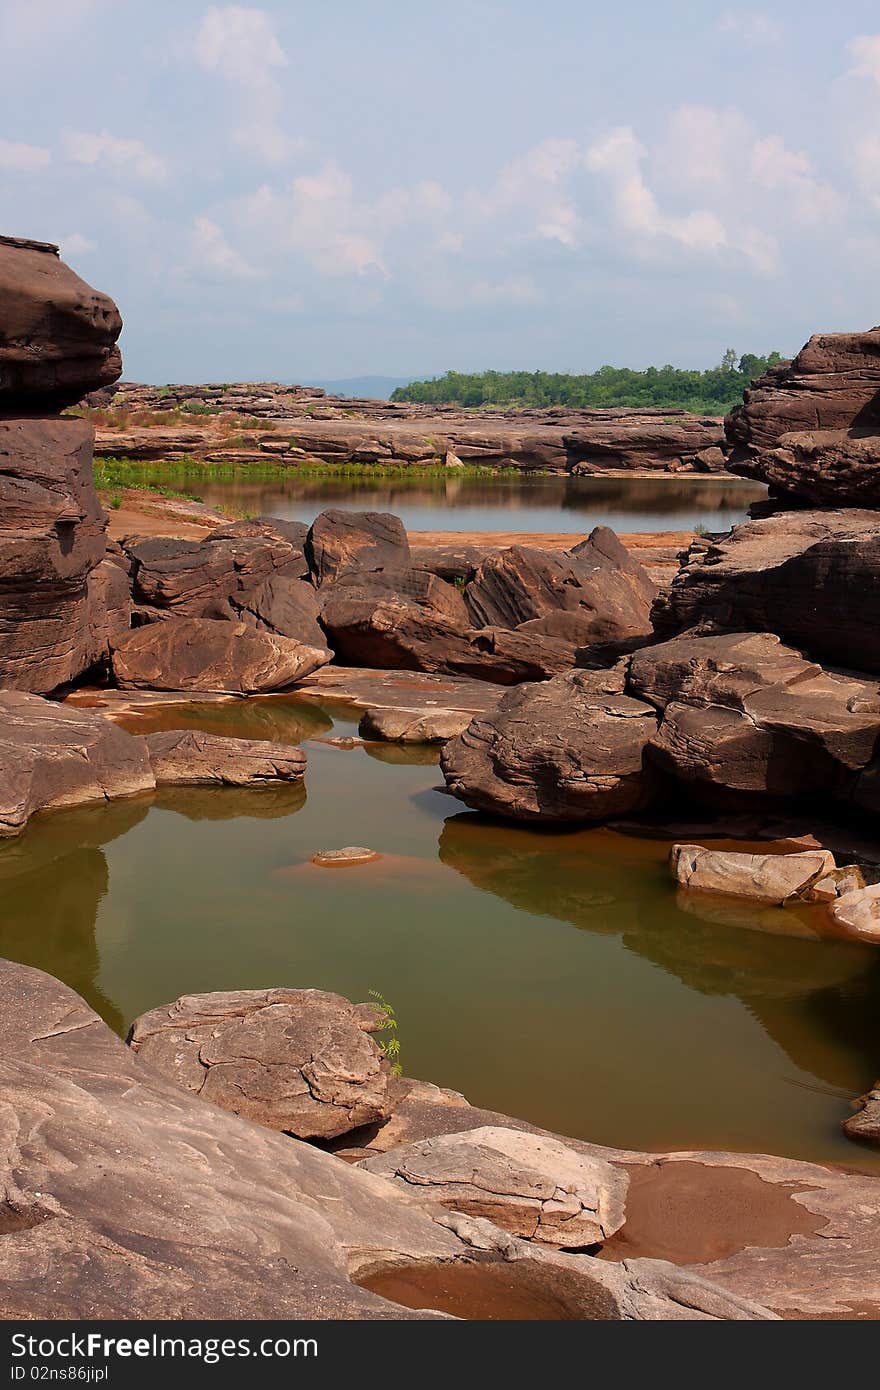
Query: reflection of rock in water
{"type": "Point", "coordinates": [818, 1000]}
{"type": "Point", "coordinates": [232, 803]}
{"type": "Point", "coordinates": [47, 919]}
{"type": "Point", "coordinates": [280, 720]}
{"type": "Point", "coordinates": [404, 754]}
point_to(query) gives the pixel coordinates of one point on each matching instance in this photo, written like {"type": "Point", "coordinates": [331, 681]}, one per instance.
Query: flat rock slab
{"type": "Point", "coordinates": [297, 1060]}
{"type": "Point", "coordinates": [188, 757]}
{"type": "Point", "coordinates": [206, 654]}
{"type": "Point", "coordinates": [409, 692]}
{"type": "Point", "coordinates": [532, 1186]}
{"type": "Point", "coordinates": [811, 876]}
{"type": "Point", "coordinates": [53, 756]}
{"type": "Point", "coordinates": [344, 858]}
{"type": "Point", "coordinates": [146, 1203]}
{"type": "Point", "coordinates": [858, 913]}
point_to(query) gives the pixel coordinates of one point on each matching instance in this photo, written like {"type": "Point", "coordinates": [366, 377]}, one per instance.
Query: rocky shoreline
{"type": "Point", "coordinates": [565, 684]}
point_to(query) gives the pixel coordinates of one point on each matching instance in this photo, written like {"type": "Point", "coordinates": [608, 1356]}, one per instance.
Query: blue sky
{"type": "Point", "coordinates": [307, 191]}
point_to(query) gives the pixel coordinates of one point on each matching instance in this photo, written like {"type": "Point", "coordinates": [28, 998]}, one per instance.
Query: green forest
{"type": "Point", "coordinates": [710, 392]}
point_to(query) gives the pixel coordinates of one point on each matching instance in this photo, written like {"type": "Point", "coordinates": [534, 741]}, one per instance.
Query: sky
{"type": "Point", "coordinates": [301, 191]}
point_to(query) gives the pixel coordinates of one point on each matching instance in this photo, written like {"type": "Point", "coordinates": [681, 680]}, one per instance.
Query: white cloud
{"type": "Point", "coordinates": [75, 245]}
{"type": "Point", "coordinates": [618, 157]}
{"type": "Point", "coordinates": [516, 290]}
{"type": "Point", "coordinates": [109, 151]}
{"type": "Point", "coordinates": [23, 158]}
{"type": "Point", "coordinates": [212, 251]}
{"type": "Point", "coordinates": [703, 144]}
{"type": "Point", "coordinates": [755, 30]}
{"type": "Point", "coordinates": [44, 22]}
{"type": "Point", "coordinates": [241, 46]}
{"type": "Point", "coordinates": [775, 167]}
{"type": "Point", "coordinates": [865, 52]}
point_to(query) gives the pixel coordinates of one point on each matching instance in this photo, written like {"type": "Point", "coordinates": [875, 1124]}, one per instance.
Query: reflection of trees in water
{"type": "Point", "coordinates": [621, 494]}
{"type": "Point", "coordinates": [818, 999]}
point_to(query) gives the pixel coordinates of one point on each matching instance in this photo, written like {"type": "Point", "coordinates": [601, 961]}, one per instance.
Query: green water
{"type": "Point", "coordinates": [549, 975]}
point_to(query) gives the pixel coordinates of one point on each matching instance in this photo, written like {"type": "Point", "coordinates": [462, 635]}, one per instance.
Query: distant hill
{"type": "Point", "coordinates": [379, 388]}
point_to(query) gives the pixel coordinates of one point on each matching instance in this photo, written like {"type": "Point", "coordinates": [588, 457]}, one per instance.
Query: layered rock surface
{"type": "Point", "coordinates": [811, 428]}
{"type": "Point", "coordinates": [204, 654]}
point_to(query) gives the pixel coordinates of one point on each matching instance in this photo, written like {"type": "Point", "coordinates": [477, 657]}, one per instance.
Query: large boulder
{"type": "Point", "coordinates": [188, 757]}
{"type": "Point", "coordinates": [743, 714]}
{"type": "Point", "coordinates": [298, 1060]}
{"type": "Point", "coordinates": [210, 655]}
{"type": "Point", "coordinates": [51, 542]}
{"type": "Point", "coordinates": [53, 756]}
{"type": "Point", "coordinates": [832, 384]}
{"type": "Point", "coordinates": [595, 593]}
{"type": "Point", "coordinates": [571, 749]}
{"type": "Point", "coordinates": [219, 576]}
{"type": "Point", "coordinates": [533, 1186]}
{"type": "Point", "coordinates": [341, 540]}
{"type": "Point", "coordinates": [795, 574]}
{"type": "Point", "coordinates": [57, 334]}
{"type": "Point", "coordinates": [825, 468]}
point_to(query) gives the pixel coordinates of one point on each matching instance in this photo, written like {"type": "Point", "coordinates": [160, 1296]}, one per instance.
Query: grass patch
{"type": "Point", "coordinates": [118, 471]}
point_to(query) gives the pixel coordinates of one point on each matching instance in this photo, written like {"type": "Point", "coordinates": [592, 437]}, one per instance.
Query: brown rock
{"type": "Point", "coordinates": [57, 334]}
{"type": "Point", "coordinates": [744, 714]}
{"type": "Point", "coordinates": [769, 878]}
{"type": "Point", "coordinates": [825, 468]}
{"type": "Point", "coordinates": [595, 593]}
{"type": "Point", "coordinates": [340, 540]}
{"type": "Point", "coordinates": [532, 1186]}
{"type": "Point", "coordinates": [571, 749]}
{"type": "Point", "coordinates": [857, 913]}
{"type": "Point", "coordinates": [832, 384]}
{"type": "Point", "coordinates": [298, 1060]}
{"type": "Point", "coordinates": [410, 726]}
{"type": "Point", "coordinates": [51, 541]}
{"type": "Point", "coordinates": [203, 654]}
{"type": "Point", "coordinates": [865, 1123]}
{"type": "Point", "coordinates": [183, 757]}
{"type": "Point", "coordinates": [53, 756]}
{"type": "Point", "coordinates": [794, 574]}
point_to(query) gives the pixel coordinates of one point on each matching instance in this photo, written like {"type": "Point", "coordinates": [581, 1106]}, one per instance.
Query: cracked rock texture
{"type": "Point", "coordinates": [299, 1060]}
{"type": "Point", "coordinates": [184, 757]}
{"type": "Point", "coordinates": [206, 654]}
{"type": "Point", "coordinates": [533, 1186]}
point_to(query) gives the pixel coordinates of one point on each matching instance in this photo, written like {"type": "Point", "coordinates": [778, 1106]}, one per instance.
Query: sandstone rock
{"type": "Point", "coordinates": [57, 334]}
{"type": "Point", "coordinates": [409, 726]}
{"type": "Point", "coordinates": [793, 574]}
{"type": "Point", "coordinates": [53, 756]}
{"type": "Point", "coordinates": [858, 913]}
{"type": "Point", "coordinates": [832, 384]}
{"type": "Point", "coordinates": [182, 757]}
{"type": "Point", "coordinates": [534, 1187]}
{"type": "Point", "coordinates": [595, 593]}
{"type": "Point", "coordinates": [770, 878]}
{"type": "Point", "coordinates": [825, 468]}
{"type": "Point", "coordinates": [400, 634]}
{"type": "Point", "coordinates": [413, 584]}
{"type": "Point", "coordinates": [51, 541]}
{"type": "Point", "coordinates": [865, 1123]}
{"type": "Point", "coordinates": [342, 858]}
{"type": "Point", "coordinates": [293, 1059]}
{"type": "Point", "coordinates": [570, 749]}
{"type": "Point", "coordinates": [203, 654]}
{"type": "Point", "coordinates": [340, 540]}
{"type": "Point", "coordinates": [744, 714]}
{"type": "Point", "coordinates": [216, 577]}
{"type": "Point", "coordinates": [283, 604]}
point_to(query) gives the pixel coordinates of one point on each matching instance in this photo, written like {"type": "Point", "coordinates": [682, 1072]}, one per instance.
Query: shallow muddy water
{"type": "Point", "coordinates": [549, 975]}
{"type": "Point", "coordinates": [502, 503]}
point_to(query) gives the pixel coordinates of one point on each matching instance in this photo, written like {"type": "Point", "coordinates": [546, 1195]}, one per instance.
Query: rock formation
{"type": "Point", "coordinates": [57, 341]}
{"type": "Point", "coordinates": [810, 876]}
{"type": "Point", "coordinates": [811, 428]}
{"type": "Point", "coordinates": [205, 654]}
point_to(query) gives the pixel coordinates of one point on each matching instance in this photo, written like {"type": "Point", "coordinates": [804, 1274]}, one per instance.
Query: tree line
{"type": "Point", "coordinates": [710, 392]}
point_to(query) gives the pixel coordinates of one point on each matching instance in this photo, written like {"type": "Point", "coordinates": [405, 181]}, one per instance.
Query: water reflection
{"type": "Point", "coordinates": [806, 992]}
{"type": "Point", "coordinates": [500, 503]}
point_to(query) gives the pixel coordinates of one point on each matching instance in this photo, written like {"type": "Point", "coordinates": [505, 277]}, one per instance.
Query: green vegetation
{"type": "Point", "coordinates": [153, 474]}
{"type": "Point", "coordinates": [711, 392]}
{"type": "Point", "coordinates": [390, 1045]}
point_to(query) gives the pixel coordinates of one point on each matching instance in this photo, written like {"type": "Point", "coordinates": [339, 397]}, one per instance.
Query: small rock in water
{"type": "Point", "coordinates": [340, 858]}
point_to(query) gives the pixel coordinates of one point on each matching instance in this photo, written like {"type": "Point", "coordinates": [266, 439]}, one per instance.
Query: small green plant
{"type": "Point", "coordinates": [701, 530]}
{"type": "Point", "coordinates": [115, 501]}
{"type": "Point", "coordinates": [390, 1044]}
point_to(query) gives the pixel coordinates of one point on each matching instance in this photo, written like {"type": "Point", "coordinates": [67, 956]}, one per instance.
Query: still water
{"type": "Point", "coordinates": [553, 975]}
{"type": "Point", "coordinates": [501, 503]}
